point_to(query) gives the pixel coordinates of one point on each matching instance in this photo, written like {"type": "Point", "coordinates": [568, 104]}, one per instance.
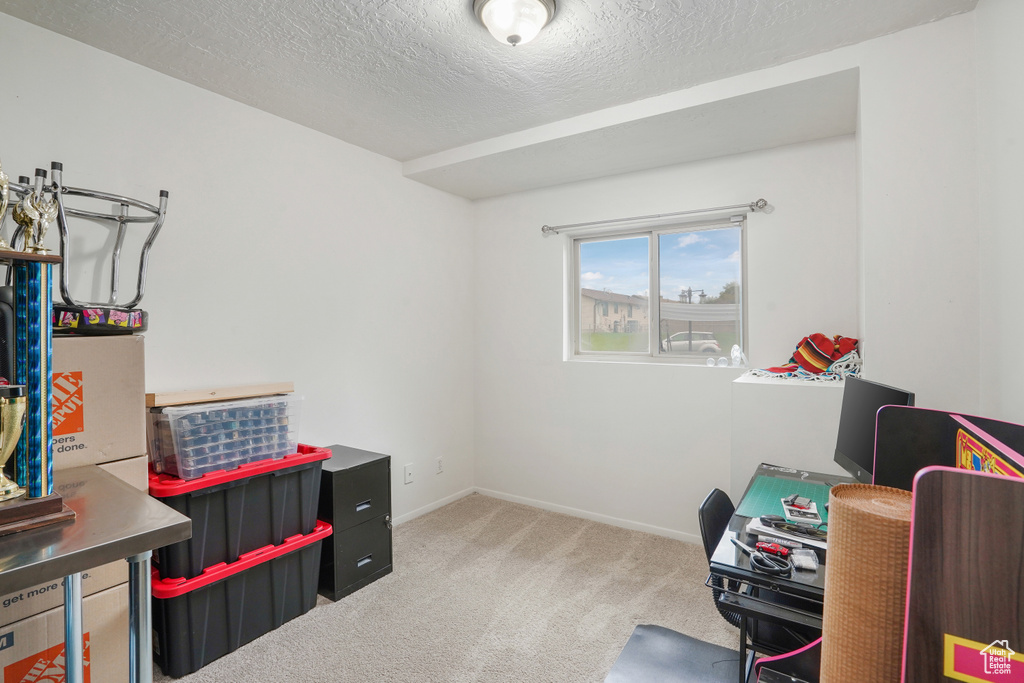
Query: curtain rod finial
{"type": "Point", "coordinates": [547, 230]}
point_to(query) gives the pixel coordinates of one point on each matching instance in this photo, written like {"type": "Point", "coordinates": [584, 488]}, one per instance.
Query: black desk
{"type": "Point", "coordinates": [807, 589]}
{"type": "Point", "coordinates": [115, 521]}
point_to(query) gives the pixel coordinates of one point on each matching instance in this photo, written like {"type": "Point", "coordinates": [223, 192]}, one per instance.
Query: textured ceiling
{"type": "Point", "coordinates": [408, 78]}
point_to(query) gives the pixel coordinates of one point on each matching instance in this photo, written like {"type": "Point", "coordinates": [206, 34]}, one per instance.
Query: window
{"type": "Point", "coordinates": [696, 272]}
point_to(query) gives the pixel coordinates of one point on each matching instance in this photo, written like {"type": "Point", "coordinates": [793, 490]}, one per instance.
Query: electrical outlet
{"type": "Point", "coordinates": [440, 466]}
{"type": "Point", "coordinates": [408, 473]}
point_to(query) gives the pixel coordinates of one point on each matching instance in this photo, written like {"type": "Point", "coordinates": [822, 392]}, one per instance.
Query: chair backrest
{"type": "Point", "coordinates": [714, 515]}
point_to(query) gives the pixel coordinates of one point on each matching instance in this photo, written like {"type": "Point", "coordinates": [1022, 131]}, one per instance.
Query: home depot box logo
{"type": "Point", "coordinates": [68, 403]}
{"type": "Point", "coordinates": [46, 666]}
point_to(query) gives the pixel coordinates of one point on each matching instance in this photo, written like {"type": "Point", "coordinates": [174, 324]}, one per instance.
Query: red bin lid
{"type": "Point", "coordinates": [172, 588]}
{"type": "Point", "coordinates": [166, 485]}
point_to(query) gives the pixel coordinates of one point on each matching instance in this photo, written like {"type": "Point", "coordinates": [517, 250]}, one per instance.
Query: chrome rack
{"type": "Point", "coordinates": [153, 214]}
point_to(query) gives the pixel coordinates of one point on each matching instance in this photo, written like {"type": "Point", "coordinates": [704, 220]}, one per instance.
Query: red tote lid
{"type": "Point", "coordinates": [166, 485]}
{"type": "Point", "coordinates": [172, 588]}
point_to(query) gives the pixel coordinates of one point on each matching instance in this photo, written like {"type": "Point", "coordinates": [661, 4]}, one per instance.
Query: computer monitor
{"type": "Point", "coordinates": [855, 445]}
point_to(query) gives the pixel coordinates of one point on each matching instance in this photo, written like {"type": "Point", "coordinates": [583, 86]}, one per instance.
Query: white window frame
{"type": "Point", "coordinates": [653, 232]}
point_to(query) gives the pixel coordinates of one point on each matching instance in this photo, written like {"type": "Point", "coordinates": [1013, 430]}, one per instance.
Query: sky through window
{"type": "Point", "coordinates": [704, 260]}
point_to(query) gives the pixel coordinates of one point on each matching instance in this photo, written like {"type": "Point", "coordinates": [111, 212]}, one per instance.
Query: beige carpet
{"type": "Point", "coordinates": [486, 590]}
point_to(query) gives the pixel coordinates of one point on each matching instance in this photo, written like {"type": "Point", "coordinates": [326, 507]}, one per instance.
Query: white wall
{"type": "Point", "coordinates": [286, 255]}
{"type": "Point", "coordinates": [1001, 177]}
{"type": "Point", "coordinates": [642, 444]}
{"type": "Point", "coordinates": [548, 431]}
{"type": "Point", "coordinates": [919, 237]}
{"type": "Point", "coordinates": [291, 255]}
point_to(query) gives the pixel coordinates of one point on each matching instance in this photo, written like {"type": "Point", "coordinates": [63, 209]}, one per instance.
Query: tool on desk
{"type": "Point", "coordinates": [801, 529]}
{"type": "Point", "coordinates": [764, 562]}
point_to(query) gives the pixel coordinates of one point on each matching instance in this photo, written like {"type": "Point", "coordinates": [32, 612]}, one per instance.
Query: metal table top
{"type": "Point", "coordinates": [114, 521]}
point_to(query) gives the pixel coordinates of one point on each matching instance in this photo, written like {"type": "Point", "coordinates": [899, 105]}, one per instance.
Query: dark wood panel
{"type": "Point", "coordinates": [23, 508]}
{"type": "Point", "coordinates": [967, 571]}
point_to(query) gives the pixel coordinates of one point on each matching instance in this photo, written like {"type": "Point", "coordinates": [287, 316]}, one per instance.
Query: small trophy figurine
{"type": "Point", "coordinates": [25, 215]}
{"type": "Point", "coordinates": [47, 209]}
{"type": "Point", "coordinates": [35, 213]}
{"type": "Point", "coordinates": [12, 419]}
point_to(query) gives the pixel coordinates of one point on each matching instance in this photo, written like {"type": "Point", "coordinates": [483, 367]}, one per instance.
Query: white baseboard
{"type": "Point", "coordinates": [432, 506]}
{"type": "Point", "coordinates": [593, 516]}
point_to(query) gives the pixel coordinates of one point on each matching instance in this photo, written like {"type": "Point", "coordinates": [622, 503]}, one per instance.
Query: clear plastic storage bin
{"type": "Point", "coordinates": [192, 440]}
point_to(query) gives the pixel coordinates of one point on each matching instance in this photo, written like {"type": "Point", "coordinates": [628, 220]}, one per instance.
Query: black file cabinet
{"type": "Point", "coordinates": [355, 497]}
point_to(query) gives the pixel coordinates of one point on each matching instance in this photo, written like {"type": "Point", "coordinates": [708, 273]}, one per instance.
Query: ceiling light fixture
{"type": "Point", "coordinates": [514, 21]}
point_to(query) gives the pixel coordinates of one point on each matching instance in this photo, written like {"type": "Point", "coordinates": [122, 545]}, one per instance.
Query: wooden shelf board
{"type": "Point", "coordinates": [12, 255]}
{"type": "Point", "coordinates": [177, 398]}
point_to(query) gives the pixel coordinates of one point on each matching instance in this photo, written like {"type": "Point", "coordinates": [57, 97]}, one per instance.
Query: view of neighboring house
{"type": "Point", "coordinates": [602, 311]}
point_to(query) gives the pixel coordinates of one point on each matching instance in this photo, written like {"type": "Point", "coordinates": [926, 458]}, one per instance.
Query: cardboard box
{"type": "Point", "coordinates": [135, 471]}
{"type": "Point", "coordinates": [45, 596]}
{"type": "Point", "coordinates": [33, 649]}
{"type": "Point", "coordinates": [99, 399]}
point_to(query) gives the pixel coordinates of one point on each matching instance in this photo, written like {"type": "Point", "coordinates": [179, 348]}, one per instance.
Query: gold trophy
{"type": "Point", "coordinates": [12, 419]}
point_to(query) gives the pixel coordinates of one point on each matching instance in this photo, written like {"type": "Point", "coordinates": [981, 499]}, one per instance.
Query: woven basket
{"type": "Point", "coordinates": [866, 584]}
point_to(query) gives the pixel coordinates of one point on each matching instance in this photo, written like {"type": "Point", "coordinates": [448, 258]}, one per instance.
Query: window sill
{"type": "Point", "coordinates": [783, 381]}
{"type": "Point", "coordinates": [651, 360]}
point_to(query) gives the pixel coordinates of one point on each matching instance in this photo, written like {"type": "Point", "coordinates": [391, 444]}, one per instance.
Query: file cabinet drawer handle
{"type": "Point", "coordinates": [365, 505]}
{"type": "Point", "coordinates": [365, 561]}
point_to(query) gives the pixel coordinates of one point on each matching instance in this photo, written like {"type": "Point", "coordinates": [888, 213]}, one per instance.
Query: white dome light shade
{"type": "Point", "coordinates": [514, 22]}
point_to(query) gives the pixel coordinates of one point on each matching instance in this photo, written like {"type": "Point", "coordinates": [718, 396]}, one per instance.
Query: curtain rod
{"type": "Point", "coordinates": [759, 205]}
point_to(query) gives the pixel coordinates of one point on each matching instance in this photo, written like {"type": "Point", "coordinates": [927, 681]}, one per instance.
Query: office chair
{"type": "Point", "coordinates": [714, 515]}
{"type": "Point", "coordinates": [764, 636]}
{"type": "Point", "coordinates": [654, 654]}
